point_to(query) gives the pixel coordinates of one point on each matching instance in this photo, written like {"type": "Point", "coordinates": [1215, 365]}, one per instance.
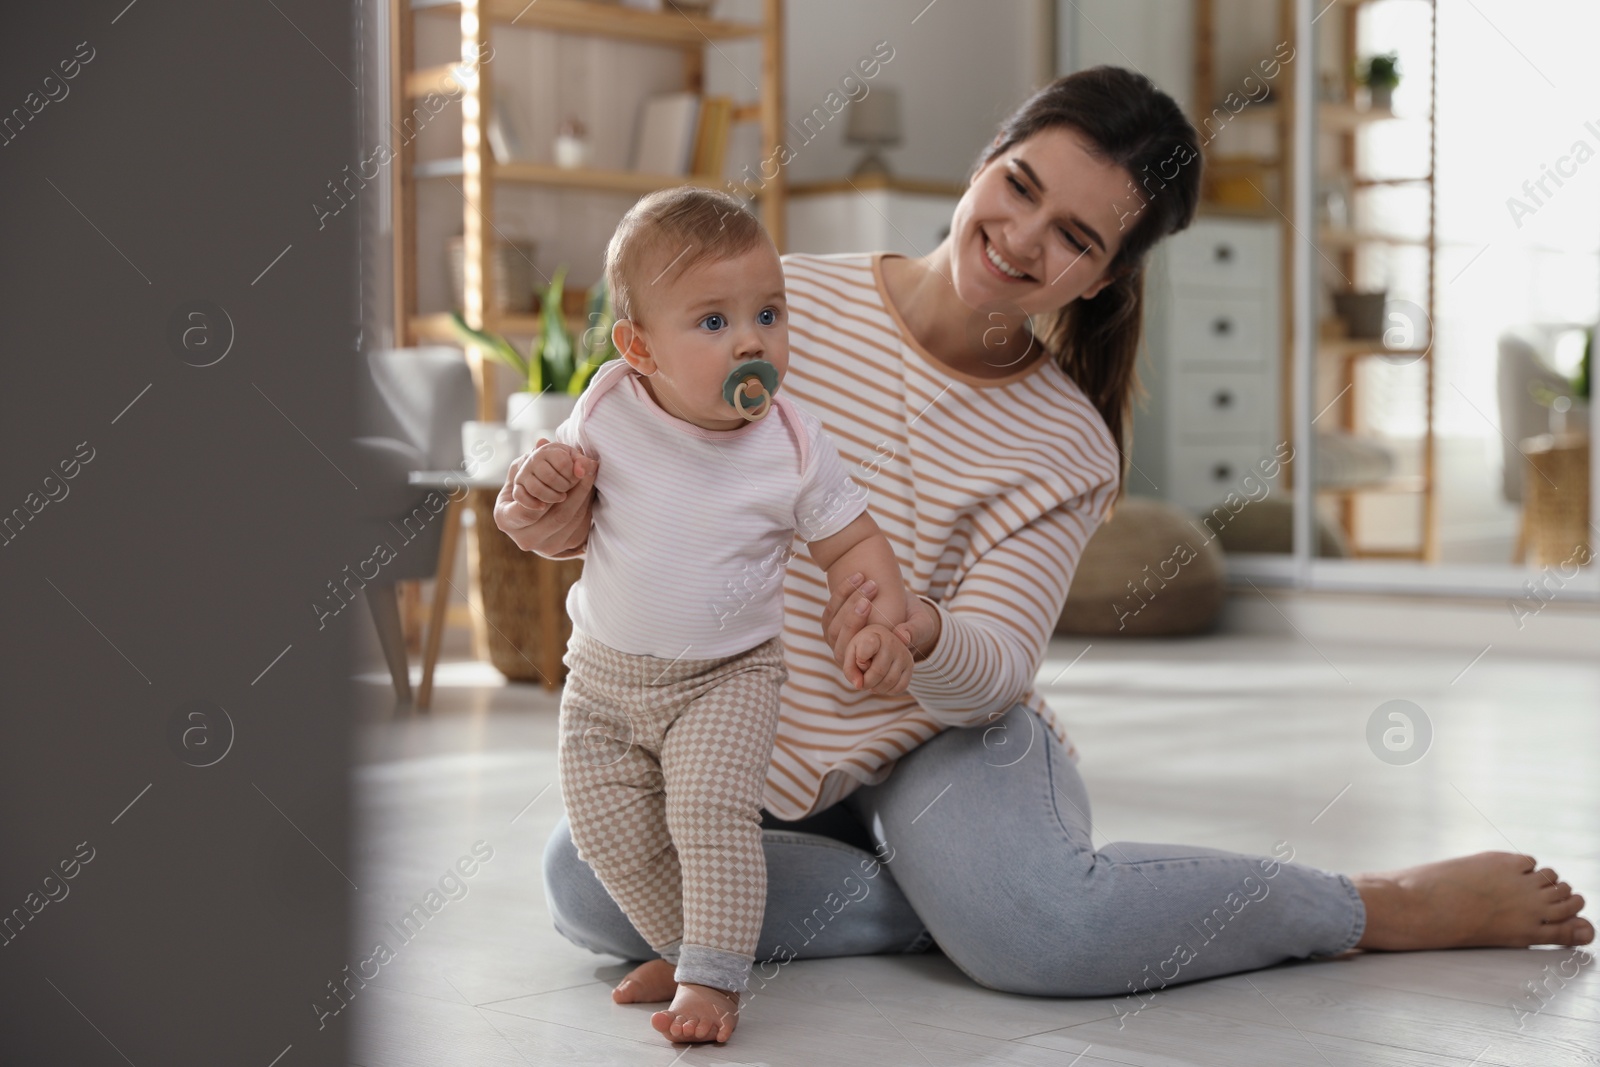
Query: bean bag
{"type": "Point", "coordinates": [1151, 570]}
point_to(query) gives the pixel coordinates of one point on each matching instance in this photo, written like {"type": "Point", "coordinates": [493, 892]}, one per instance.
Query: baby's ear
{"type": "Point", "coordinates": [632, 346]}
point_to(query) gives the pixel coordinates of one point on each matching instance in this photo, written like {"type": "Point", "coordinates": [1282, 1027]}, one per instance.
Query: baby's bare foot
{"type": "Point", "coordinates": [646, 984]}
{"type": "Point", "coordinates": [699, 1013]}
{"type": "Point", "coordinates": [1487, 899]}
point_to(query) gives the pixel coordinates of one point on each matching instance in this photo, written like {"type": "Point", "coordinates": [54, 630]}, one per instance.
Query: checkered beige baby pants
{"type": "Point", "coordinates": [663, 763]}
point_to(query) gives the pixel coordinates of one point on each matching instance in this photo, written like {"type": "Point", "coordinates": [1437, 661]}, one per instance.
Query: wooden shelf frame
{"type": "Point", "coordinates": [1344, 246]}
{"type": "Point", "coordinates": [600, 20]}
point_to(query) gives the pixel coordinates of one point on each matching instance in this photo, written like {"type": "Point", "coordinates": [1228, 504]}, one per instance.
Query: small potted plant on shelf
{"type": "Point", "coordinates": [557, 366]}
{"type": "Point", "coordinates": [1380, 74]}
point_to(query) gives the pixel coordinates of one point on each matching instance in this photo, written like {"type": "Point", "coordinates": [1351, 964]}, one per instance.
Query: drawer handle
{"type": "Point", "coordinates": [1222, 327]}
{"type": "Point", "coordinates": [1222, 253]}
{"type": "Point", "coordinates": [1222, 398]}
{"type": "Point", "coordinates": [1222, 472]}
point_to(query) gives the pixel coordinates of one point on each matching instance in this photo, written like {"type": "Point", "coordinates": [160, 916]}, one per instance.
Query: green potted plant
{"type": "Point", "coordinates": [1380, 74]}
{"type": "Point", "coordinates": [1572, 412]}
{"type": "Point", "coordinates": [557, 365]}
{"type": "Point", "coordinates": [1569, 404]}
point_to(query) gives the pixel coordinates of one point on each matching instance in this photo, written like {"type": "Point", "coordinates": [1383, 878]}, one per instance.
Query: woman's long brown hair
{"type": "Point", "coordinates": [1130, 123]}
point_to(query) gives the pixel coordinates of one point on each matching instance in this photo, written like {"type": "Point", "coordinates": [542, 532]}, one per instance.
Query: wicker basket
{"type": "Point", "coordinates": [1556, 496]}
{"type": "Point", "coordinates": [511, 580]}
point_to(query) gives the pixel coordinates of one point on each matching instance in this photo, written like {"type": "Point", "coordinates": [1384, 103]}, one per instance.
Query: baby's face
{"type": "Point", "coordinates": [706, 321]}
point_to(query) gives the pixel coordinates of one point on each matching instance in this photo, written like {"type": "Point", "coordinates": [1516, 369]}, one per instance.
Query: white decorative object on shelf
{"type": "Point", "coordinates": [572, 145]}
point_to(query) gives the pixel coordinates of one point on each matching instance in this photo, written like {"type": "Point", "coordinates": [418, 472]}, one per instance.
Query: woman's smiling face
{"type": "Point", "coordinates": [1040, 224]}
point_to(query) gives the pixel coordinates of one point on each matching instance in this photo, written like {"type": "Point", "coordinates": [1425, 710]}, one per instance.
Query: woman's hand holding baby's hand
{"type": "Point", "coordinates": [878, 660]}
{"type": "Point", "coordinates": [544, 505]}
{"type": "Point", "coordinates": [849, 610]}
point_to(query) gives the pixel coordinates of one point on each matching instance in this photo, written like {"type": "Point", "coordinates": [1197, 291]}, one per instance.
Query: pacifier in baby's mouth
{"type": "Point", "coordinates": [749, 388]}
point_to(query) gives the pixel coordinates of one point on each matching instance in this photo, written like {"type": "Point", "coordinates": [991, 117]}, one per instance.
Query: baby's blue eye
{"type": "Point", "coordinates": [768, 316]}
{"type": "Point", "coordinates": [713, 322]}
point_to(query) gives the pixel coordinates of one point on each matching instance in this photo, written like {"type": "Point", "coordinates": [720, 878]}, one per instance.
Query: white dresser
{"type": "Point", "coordinates": [1212, 320]}
{"type": "Point", "coordinates": [878, 214]}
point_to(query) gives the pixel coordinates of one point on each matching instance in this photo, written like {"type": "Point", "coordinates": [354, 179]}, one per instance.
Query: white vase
{"type": "Point", "coordinates": [1569, 417]}
{"type": "Point", "coordinates": [571, 152]}
{"type": "Point", "coordinates": [536, 415]}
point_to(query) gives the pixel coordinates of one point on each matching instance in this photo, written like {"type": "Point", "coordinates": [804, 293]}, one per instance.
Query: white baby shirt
{"type": "Point", "coordinates": [692, 527]}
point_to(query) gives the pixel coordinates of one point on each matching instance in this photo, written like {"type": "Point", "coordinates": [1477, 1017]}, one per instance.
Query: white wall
{"type": "Point", "coordinates": [1154, 37]}
{"type": "Point", "coordinates": [960, 67]}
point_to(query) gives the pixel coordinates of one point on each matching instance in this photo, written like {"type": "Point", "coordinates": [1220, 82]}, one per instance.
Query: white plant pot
{"type": "Point", "coordinates": [536, 415]}
{"type": "Point", "coordinates": [1574, 421]}
{"type": "Point", "coordinates": [487, 449]}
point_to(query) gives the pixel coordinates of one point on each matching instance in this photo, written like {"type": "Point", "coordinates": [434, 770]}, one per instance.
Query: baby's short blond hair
{"type": "Point", "coordinates": [674, 229]}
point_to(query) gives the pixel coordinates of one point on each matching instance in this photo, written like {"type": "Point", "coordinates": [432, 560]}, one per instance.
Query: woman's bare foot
{"type": "Point", "coordinates": [646, 984]}
{"type": "Point", "coordinates": [1487, 899]}
{"type": "Point", "coordinates": [699, 1013]}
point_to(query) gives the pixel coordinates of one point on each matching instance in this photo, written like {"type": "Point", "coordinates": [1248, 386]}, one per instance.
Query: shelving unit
{"type": "Point", "coordinates": [1344, 247]}
{"type": "Point", "coordinates": [1271, 173]}
{"type": "Point", "coordinates": [478, 173]}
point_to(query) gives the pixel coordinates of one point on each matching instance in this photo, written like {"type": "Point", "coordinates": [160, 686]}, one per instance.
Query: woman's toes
{"type": "Point", "coordinates": [1546, 877]}
{"type": "Point", "coordinates": [1562, 910]}
{"type": "Point", "coordinates": [1553, 893]}
{"type": "Point", "coordinates": [1572, 931]}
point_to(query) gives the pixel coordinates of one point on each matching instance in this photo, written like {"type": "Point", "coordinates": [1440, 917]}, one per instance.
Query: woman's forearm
{"type": "Point", "coordinates": [972, 673]}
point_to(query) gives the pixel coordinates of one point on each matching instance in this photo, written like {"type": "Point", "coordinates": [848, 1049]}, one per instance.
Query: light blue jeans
{"type": "Point", "coordinates": [979, 842]}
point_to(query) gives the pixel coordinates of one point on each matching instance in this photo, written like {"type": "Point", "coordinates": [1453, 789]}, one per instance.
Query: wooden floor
{"type": "Point", "coordinates": [1233, 742]}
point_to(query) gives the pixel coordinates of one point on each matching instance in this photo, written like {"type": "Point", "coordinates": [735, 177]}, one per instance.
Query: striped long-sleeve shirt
{"type": "Point", "coordinates": [988, 489]}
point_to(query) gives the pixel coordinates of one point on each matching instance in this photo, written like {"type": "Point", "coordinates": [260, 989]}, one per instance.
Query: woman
{"type": "Point", "coordinates": [955, 814]}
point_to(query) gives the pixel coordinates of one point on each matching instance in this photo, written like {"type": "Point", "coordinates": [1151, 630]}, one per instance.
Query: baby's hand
{"type": "Point", "coordinates": [876, 659]}
{"type": "Point", "coordinates": [544, 505]}
{"type": "Point", "coordinates": [546, 477]}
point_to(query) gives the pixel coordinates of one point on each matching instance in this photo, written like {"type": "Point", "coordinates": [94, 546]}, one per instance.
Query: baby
{"type": "Point", "coordinates": [705, 478]}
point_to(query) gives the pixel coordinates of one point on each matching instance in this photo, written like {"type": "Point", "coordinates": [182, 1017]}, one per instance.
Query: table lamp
{"type": "Point", "coordinates": [874, 122]}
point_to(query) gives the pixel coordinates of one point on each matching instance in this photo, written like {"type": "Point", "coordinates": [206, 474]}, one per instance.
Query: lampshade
{"type": "Point", "coordinates": [875, 118]}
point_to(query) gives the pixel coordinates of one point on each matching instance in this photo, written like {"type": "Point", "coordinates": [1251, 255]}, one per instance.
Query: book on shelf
{"type": "Point", "coordinates": [711, 137]}
{"type": "Point", "coordinates": [503, 132]}
{"type": "Point", "coordinates": [665, 140]}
